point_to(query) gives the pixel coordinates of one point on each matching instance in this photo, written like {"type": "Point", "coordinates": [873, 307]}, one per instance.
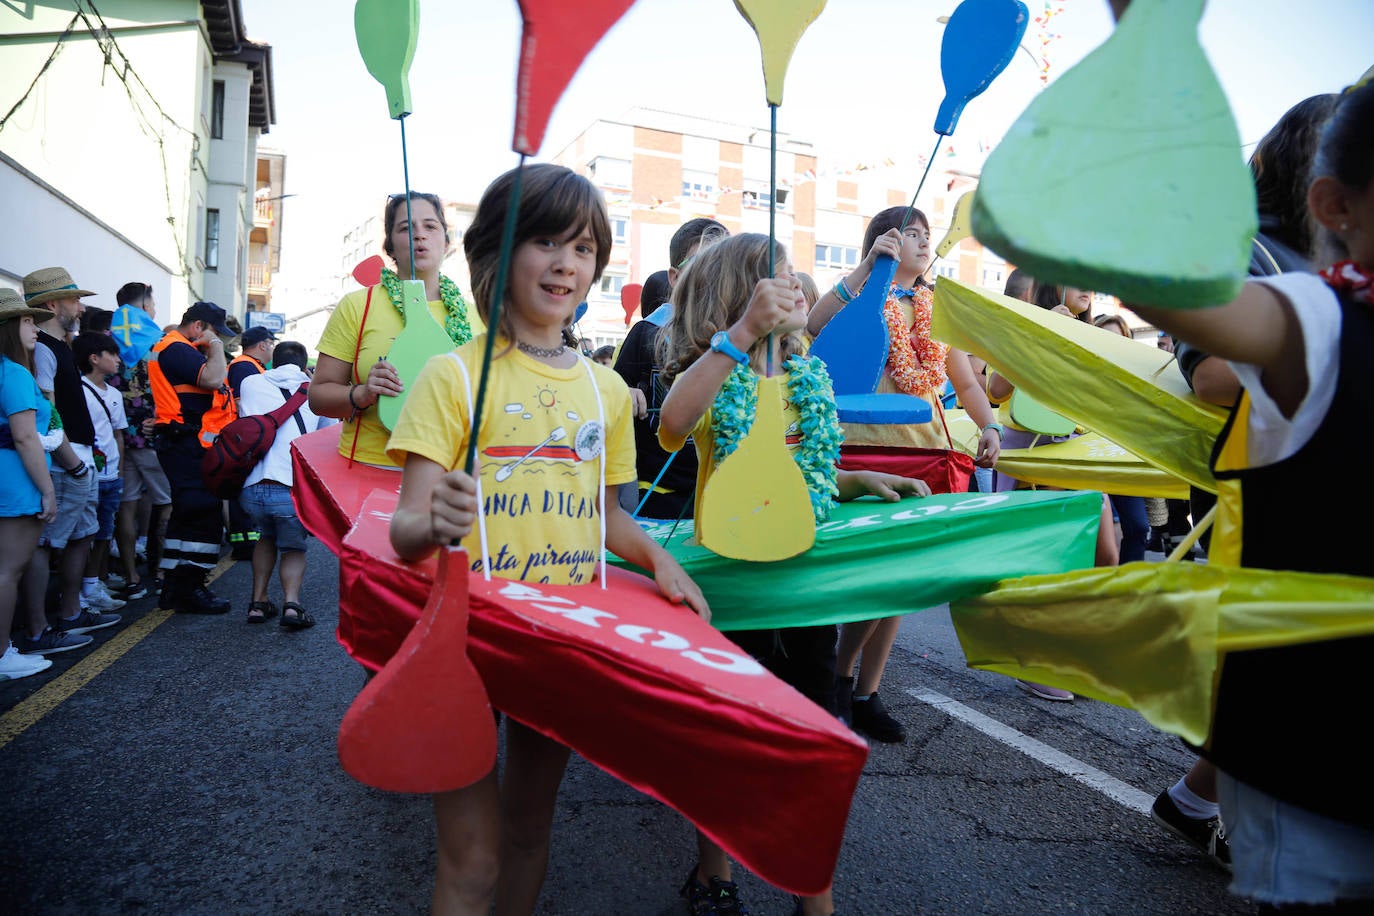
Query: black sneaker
{"type": "Point", "coordinates": [872, 717]}
{"type": "Point", "coordinates": [1207, 834]}
{"type": "Point", "coordinates": [86, 621]}
{"type": "Point", "coordinates": [720, 898]}
{"type": "Point", "coordinates": [51, 642]}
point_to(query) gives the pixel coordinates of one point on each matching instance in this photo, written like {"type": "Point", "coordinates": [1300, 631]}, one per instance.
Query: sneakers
{"type": "Point", "coordinates": [13, 666]}
{"type": "Point", "coordinates": [86, 621]}
{"type": "Point", "coordinates": [100, 600]}
{"type": "Point", "coordinates": [1045, 691]}
{"type": "Point", "coordinates": [721, 898]}
{"type": "Point", "coordinates": [1208, 834]}
{"type": "Point", "coordinates": [114, 582]}
{"type": "Point", "coordinates": [185, 593]}
{"type": "Point", "coordinates": [139, 589]}
{"type": "Point", "coordinates": [871, 716]}
{"type": "Point", "coordinates": [51, 641]}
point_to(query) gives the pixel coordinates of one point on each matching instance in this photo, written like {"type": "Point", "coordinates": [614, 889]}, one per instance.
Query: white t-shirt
{"type": "Point", "coordinates": [109, 422]}
{"type": "Point", "coordinates": [1274, 437]}
{"type": "Point", "coordinates": [260, 395]}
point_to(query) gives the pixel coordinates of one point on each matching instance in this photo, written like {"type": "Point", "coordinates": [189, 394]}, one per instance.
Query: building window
{"type": "Point", "coordinates": [610, 173]}
{"type": "Point", "coordinates": [760, 200]}
{"type": "Point", "coordinates": [836, 257]}
{"type": "Point", "coordinates": [217, 110]}
{"type": "Point", "coordinates": [620, 230]}
{"type": "Point", "coordinates": [947, 269]}
{"type": "Point", "coordinates": [211, 240]}
{"type": "Point", "coordinates": [611, 285]}
{"type": "Point", "coordinates": [698, 185]}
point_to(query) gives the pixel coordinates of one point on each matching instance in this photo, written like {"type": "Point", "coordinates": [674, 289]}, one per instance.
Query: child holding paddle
{"type": "Point", "coordinates": [916, 365]}
{"type": "Point", "coordinates": [1294, 776]}
{"type": "Point", "coordinates": [554, 433]}
{"type": "Point", "coordinates": [732, 321]}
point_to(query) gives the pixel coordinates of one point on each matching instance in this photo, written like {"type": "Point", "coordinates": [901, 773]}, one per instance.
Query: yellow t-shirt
{"type": "Point", "coordinates": [703, 436]}
{"type": "Point", "coordinates": [540, 439]}
{"type": "Point", "coordinates": [340, 339]}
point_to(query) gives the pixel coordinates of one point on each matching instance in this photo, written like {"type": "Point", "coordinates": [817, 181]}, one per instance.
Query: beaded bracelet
{"type": "Point", "coordinates": [842, 292]}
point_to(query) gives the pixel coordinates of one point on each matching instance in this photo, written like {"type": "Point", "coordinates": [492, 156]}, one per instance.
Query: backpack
{"type": "Point", "coordinates": [241, 444]}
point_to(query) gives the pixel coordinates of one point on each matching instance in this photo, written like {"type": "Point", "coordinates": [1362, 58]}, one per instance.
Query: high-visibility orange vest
{"type": "Point", "coordinates": [166, 402]}
{"type": "Point", "coordinates": [224, 408]}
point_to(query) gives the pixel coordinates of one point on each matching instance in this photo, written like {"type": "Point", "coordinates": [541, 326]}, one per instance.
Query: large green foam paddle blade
{"type": "Point", "coordinates": [386, 31]}
{"type": "Point", "coordinates": [1126, 175]}
{"type": "Point", "coordinates": [421, 338]}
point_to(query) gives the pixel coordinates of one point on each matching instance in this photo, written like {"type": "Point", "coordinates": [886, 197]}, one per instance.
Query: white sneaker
{"type": "Point", "coordinates": [13, 665]}
{"type": "Point", "coordinates": [100, 600]}
{"type": "Point", "coordinates": [113, 581]}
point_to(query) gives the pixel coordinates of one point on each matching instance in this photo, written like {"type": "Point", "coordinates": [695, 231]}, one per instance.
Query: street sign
{"type": "Point", "coordinates": [273, 321]}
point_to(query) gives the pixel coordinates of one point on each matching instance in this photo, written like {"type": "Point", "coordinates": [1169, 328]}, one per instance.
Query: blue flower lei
{"type": "Point", "coordinates": [818, 454]}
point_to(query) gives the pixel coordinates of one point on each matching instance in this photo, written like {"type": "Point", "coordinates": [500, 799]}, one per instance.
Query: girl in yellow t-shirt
{"type": "Point", "coordinates": [554, 434]}
{"type": "Point", "coordinates": [728, 313]}
{"type": "Point", "coordinates": [352, 373]}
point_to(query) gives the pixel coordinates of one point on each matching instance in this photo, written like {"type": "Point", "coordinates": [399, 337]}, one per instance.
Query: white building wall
{"type": "Point", "coordinates": [134, 164]}
{"type": "Point", "coordinates": [232, 174]}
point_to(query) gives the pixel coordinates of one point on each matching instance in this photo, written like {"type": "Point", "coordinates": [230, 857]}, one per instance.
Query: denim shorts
{"type": "Point", "coordinates": [1281, 853]}
{"type": "Point", "coordinates": [273, 513]}
{"type": "Point", "coordinates": [110, 493]}
{"type": "Point", "coordinates": [77, 498]}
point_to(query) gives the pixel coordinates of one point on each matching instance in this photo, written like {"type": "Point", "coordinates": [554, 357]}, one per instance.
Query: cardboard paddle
{"type": "Point", "coordinates": [1143, 123]}
{"type": "Point", "coordinates": [960, 225]}
{"type": "Point", "coordinates": [437, 732]}
{"type": "Point", "coordinates": [421, 338]}
{"type": "Point", "coordinates": [756, 504]}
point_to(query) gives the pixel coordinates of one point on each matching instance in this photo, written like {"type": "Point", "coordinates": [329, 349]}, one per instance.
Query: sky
{"type": "Point", "coordinates": [863, 86]}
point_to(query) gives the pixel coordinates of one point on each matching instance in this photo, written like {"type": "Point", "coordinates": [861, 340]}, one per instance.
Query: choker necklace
{"type": "Point", "coordinates": [541, 352]}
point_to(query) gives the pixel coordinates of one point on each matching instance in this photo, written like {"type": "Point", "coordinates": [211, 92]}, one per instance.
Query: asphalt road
{"type": "Point", "coordinates": [186, 765]}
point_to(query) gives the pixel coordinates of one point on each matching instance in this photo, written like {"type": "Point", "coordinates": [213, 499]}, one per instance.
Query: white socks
{"type": "Point", "coordinates": [1192, 804]}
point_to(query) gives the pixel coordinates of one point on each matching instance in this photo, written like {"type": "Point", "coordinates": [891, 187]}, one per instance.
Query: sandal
{"type": "Point", "coordinates": [718, 899]}
{"type": "Point", "coordinates": [260, 611]}
{"type": "Point", "coordinates": [295, 617]}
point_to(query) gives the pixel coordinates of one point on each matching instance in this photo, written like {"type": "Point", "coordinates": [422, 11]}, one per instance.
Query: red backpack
{"type": "Point", "coordinates": [241, 444]}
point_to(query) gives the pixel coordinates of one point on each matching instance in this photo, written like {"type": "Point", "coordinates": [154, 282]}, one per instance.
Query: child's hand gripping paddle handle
{"type": "Point", "coordinates": [424, 723]}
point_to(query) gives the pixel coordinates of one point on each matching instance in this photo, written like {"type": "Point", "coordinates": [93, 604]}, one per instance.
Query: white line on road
{"type": "Point", "coordinates": [1110, 786]}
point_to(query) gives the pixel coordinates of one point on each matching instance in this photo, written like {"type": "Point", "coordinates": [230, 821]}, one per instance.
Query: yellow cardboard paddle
{"type": "Point", "coordinates": [779, 25]}
{"type": "Point", "coordinates": [418, 341]}
{"type": "Point", "coordinates": [960, 225]}
{"type": "Point", "coordinates": [756, 506]}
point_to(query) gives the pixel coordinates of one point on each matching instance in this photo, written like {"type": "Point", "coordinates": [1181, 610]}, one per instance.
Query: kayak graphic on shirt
{"type": "Point", "coordinates": [523, 453]}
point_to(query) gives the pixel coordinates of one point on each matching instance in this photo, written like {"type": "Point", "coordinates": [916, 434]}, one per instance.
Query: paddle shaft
{"type": "Point", "coordinates": [911, 207]}
{"type": "Point", "coordinates": [772, 212]}
{"type": "Point", "coordinates": [405, 170]}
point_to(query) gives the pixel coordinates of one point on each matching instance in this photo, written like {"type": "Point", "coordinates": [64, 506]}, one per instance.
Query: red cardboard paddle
{"type": "Point", "coordinates": [629, 299]}
{"type": "Point", "coordinates": [556, 38]}
{"type": "Point", "coordinates": [368, 273]}
{"type": "Point", "coordinates": [424, 723]}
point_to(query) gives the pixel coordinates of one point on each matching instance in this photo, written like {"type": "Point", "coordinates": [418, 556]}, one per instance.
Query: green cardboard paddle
{"type": "Point", "coordinates": [1125, 175]}
{"type": "Point", "coordinates": [1027, 412]}
{"type": "Point", "coordinates": [420, 339]}
{"type": "Point", "coordinates": [387, 30]}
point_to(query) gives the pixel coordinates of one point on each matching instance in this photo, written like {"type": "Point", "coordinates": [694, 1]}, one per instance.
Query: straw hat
{"type": "Point", "coordinates": [51, 283]}
{"type": "Point", "coordinates": [12, 306]}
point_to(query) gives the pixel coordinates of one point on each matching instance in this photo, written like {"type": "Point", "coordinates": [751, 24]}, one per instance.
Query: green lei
{"type": "Point", "coordinates": [455, 306]}
{"type": "Point", "coordinates": [732, 414]}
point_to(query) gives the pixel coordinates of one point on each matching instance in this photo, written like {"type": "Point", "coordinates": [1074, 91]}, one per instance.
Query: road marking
{"type": "Point", "coordinates": [56, 692]}
{"type": "Point", "coordinates": [1118, 791]}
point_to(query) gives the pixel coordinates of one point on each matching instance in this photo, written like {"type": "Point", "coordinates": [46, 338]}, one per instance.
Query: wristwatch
{"type": "Point", "coordinates": [720, 342]}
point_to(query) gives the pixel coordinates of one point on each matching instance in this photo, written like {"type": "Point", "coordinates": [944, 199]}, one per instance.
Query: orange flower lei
{"type": "Point", "coordinates": [914, 361]}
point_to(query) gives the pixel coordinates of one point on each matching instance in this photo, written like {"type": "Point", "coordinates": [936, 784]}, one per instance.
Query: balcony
{"type": "Point", "coordinates": [262, 213]}
{"type": "Point", "coordinates": [259, 277]}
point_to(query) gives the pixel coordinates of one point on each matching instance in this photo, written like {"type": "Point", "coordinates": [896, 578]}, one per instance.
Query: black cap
{"type": "Point", "coordinates": [211, 314]}
{"type": "Point", "coordinates": [255, 335]}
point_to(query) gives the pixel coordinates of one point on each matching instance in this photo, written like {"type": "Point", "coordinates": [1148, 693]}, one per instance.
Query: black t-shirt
{"type": "Point", "coordinates": [181, 364]}
{"type": "Point", "coordinates": [240, 371]}
{"type": "Point", "coordinates": [636, 366]}
{"type": "Point", "coordinates": [67, 393]}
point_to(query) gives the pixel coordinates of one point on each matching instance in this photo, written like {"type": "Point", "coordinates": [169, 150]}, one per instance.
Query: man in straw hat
{"type": "Point", "coordinates": [185, 369]}
{"type": "Point", "coordinates": [74, 481]}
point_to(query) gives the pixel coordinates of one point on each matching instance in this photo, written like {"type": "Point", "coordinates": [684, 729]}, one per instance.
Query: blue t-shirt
{"type": "Point", "coordinates": [19, 392]}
